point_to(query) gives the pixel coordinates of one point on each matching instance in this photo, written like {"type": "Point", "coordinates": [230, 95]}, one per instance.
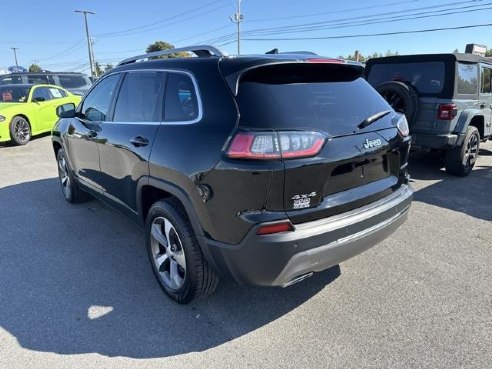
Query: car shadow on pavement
{"type": "Point", "coordinates": [10, 144]}
{"type": "Point", "coordinates": [470, 195]}
{"type": "Point", "coordinates": [75, 279]}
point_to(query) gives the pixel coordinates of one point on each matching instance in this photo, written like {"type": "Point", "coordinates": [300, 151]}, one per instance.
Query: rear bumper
{"type": "Point", "coordinates": [275, 260]}
{"type": "Point", "coordinates": [422, 141]}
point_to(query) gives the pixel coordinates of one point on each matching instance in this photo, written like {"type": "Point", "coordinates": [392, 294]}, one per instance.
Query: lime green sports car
{"type": "Point", "coordinates": [27, 110]}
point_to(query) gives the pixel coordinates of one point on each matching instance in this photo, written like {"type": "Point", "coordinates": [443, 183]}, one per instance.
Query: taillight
{"type": "Point", "coordinates": [275, 145]}
{"type": "Point", "coordinates": [447, 111]}
{"type": "Point", "coordinates": [275, 228]}
{"type": "Point", "coordinates": [402, 126]}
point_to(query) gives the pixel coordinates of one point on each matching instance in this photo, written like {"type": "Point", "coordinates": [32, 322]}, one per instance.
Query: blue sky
{"type": "Point", "coordinates": [53, 35]}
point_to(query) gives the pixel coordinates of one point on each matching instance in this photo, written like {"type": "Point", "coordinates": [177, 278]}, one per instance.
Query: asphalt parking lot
{"type": "Point", "coordinates": [76, 289]}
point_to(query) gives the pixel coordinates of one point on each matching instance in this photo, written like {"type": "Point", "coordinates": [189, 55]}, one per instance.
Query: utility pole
{"type": "Point", "coordinates": [89, 46]}
{"type": "Point", "coordinates": [96, 74]}
{"type": "Point", "coordinates": [238, 18]}
{"type": "Point", "coordinates": [15, 56]}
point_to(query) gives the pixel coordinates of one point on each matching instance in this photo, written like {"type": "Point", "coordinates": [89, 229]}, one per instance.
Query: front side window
{"type": "Point", "coordinates": [485, 86]}
{"type": "Point", "coordinates": [96, 104]}
{"type": "Point", "coordinates": [138, 99]}
{"type": "Point", "coordinates": [41, 94]}
{"type": "Point", "coordinates": [467, 78]}
{"type": "Point", "coordinates": [181, 103]}
{"type": "Point", "coordinates": [14, 94]}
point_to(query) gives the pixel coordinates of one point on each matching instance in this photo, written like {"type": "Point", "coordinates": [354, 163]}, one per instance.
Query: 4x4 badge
{"type": "Point", "coordinates": [303, 200]}
{"type": "Point", "coordinates": [372, 143]}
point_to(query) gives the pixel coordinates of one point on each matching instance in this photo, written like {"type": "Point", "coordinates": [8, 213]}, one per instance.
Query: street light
{"type": "Point", "coordinates": [15, 56]}
{"type": "Point", "coordinates": [89, 46]}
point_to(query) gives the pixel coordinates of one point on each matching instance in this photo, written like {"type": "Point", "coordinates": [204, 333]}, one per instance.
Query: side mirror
{"type": "Point", "coordinates": [66, 111]}
{"type": "Point", "coordinates": [38, 99]}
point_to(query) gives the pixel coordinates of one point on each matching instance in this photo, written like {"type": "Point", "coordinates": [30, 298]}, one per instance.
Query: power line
{"type": "Point", "coordinates": [371, 34]}
{"type": "Point", "coordinates": [356, 20]}
{"type": "Point", "coordinates": [381, 21]}
{"type": "Point", "coordinates": [67, 51]}
{"type": "Point", "coordinates": [202, 33]}
{"type": "Point", "coordinates": [148, 27]}
{"type": "Point", "coordinates": [332, 12]}
{"type": "Point", "coordinates": [332, 24]}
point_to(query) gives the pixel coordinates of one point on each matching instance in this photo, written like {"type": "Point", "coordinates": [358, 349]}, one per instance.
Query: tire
{"type": "Point", "coordinates": [460, 160]}
{"type": "Point", "coordinates": [402, 98]}
{"type": "Point", "coordinates": [71, 191]}
{"type": "Point", "coordinates": [20, 131]}
{"type": "Point", "coordinates": [175, 255]}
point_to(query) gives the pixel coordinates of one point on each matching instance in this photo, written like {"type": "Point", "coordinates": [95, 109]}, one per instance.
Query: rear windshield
{"type": "Point", "coordinates": [14, 94]}
{"type": "Point", "coordinates": [426, 78]}
{"type": "Point", "coordinates": [332, 102]}
{"type": "Point", "coordinates": [75, 81]}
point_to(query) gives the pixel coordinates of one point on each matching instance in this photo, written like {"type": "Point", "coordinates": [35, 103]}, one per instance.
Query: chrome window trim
{"type": "Point", "coordinates": [168, 122]}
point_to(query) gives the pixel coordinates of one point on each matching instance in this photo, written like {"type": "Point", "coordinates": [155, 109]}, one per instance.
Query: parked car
{"type": "Point", "coordinates": [27, 110]}
{"type": "Point", "coordinates": [447, 99]}
{"type": "Point", "coordinates": [76, 83]}
{"type": "Point", "coordinates": [259, 169]}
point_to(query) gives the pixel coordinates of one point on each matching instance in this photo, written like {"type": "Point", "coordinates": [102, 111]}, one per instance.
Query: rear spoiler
{"type": "Point", "coordinates": [234, 78]}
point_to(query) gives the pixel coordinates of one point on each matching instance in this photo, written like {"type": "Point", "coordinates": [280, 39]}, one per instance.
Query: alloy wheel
{"type": "Point", "coordinates": [64, 177]}
{"type": "Point", "coordinates": [471, 151]}
{"type": "Point", "coordinates": [22, 131]}
{"type": "Point", "coordinates": [168, 253]}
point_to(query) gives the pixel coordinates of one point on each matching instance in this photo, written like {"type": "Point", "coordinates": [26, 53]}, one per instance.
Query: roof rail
{"type": "Point", "coordinates": [198, 50]}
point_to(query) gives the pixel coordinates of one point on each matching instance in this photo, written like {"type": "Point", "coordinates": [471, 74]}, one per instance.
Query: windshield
{"type": "Point", "coordinates": [14, 94]}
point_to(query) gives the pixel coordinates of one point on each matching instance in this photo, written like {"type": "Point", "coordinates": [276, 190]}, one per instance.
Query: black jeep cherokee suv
{"type": "Point", "coordinates": [447, 99]}
{"type": "Point", "coordinates": [262, 169]}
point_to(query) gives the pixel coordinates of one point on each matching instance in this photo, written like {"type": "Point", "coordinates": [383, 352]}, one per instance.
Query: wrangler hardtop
{"type": "Point", "coordinates": [447, 99]}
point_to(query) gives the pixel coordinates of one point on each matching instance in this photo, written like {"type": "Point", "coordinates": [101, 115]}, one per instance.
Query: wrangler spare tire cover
{"type": "Point", "coordinates": [402, 98]}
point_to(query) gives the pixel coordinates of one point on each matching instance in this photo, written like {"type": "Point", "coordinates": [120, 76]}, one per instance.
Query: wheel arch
{"type": "Point", "coordinates": [150, 190]}
{"type": "Point", "coordinates": [56, 146]}
{"type": "Point", "coordinates": [469, 117]}
{"type": "Point", "coordinates": [478, 121]}
{"type": "Point", "coordinates": [24, 116]}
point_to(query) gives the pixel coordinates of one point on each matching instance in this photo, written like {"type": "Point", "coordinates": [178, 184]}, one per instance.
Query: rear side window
{"type": "Point", "coordinates": [97, 102]}
{"type": "Point", "coordinates": [326, 99]}
{"type": "Point", "coordinates": [181, 103]}
{"type": "Point", "coordinates": [73, 81]}
{"type": "Point", "coordinates": [426, 77]}
{"type": "Point", "coordinates": [138, 100]}
{"type": "Point", "coordinates": [486, 87]}
{"type": "Point", "coordinates": [467, 78]}
{"type": "Point", "coordinates": [38, 79]}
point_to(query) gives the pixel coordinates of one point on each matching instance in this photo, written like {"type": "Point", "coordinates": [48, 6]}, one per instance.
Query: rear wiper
{"type": "Point", "coordinates": [373, 118]}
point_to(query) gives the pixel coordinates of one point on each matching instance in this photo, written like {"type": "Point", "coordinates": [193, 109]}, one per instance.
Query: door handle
{"type": "Point", "coordinates": [139, 141]}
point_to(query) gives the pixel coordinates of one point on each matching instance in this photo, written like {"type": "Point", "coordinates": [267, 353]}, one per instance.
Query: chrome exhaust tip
{"type": "Point", "coordinates": [297, 279]}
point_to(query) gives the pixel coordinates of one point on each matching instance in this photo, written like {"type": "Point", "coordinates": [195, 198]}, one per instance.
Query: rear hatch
{"type": "Point", "coordinates": [296, 104]}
